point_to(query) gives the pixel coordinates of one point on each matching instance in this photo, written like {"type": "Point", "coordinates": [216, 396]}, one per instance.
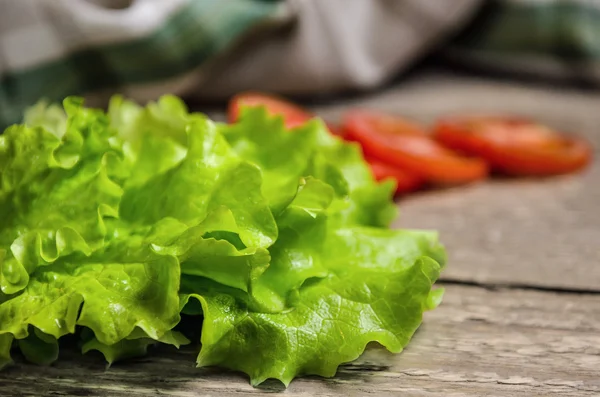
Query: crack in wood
{"type": "Point", "coordinates": [518, 286]}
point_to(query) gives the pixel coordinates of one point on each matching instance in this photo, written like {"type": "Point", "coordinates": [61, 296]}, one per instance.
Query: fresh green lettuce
{"type": "Point", "coordinates": [134, 345]}
{"type": "Point", "coordinates": [275, 244]}
{"type": "Point", "coordinates": [332, 319]}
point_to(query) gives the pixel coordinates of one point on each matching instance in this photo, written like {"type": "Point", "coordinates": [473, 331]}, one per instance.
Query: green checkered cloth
{"type": "Point", "coordinates": [207, 49]}
{"type": "Point", "coordinates": [545, 38]}
{"type": "Point", "coordinates": [51, 49]}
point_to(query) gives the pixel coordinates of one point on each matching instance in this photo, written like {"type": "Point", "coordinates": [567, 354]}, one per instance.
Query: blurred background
{"type": "Point", "coordinates": [208, 50]}
{"type": "Point", "coordinates": [422, 59]}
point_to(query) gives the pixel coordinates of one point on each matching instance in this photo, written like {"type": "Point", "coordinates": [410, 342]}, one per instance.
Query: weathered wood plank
{"type": "Point", "coordinates": [534, 232]}
{"type": "Point", "coordinates": [479, 342]}
{"type": "Point", "coordinates": [543, 233]}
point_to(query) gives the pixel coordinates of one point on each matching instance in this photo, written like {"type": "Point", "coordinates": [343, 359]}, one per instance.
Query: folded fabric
{"type": "Point", "coordinates": [208, 48]}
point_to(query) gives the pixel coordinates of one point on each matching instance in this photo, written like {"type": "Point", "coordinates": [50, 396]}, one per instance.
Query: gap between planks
{"type": "Point", "coordinates": [518, 286]}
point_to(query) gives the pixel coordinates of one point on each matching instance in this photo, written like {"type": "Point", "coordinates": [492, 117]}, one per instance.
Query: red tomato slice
{"type": "Point", "coordinates": [406, 146]}
{"type": "Point", "coordinates": [405, 181]}
{"type": "Point", "coordinates": [515, 146]}
{"type": "Point", "coordinates": [293, 115]}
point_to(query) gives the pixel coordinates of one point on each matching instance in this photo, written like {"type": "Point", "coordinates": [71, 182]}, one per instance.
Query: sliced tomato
{"type": "Point", "coordinates": [405, 181]}
{"type": "Point", "coordinates": [515, 146]}
{"type": "Point", "coordinates": [293, 114]}
{"type": "Point", "coordinates": [404, 144]}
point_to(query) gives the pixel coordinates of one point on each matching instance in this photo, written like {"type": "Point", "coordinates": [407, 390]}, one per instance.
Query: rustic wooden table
{"type": "Point", "coordinates": [521, 314]}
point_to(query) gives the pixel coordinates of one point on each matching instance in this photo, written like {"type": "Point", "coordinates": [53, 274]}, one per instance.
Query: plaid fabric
{"type": "Point", "coordinates": [54, 48]}
{"type": "Point", "coordinates": [545, 38]}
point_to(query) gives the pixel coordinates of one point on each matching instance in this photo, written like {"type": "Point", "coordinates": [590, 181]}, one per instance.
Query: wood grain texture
{"type": "Point", "coordinates": [478, 343]}
{"type": "Point", "coordinates": [532, 232]}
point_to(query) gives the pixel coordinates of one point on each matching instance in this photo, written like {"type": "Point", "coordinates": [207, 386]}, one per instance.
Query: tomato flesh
{"type": "Point", "coordinates": [405, 181]}
{"type": "Point", "coordinates": [293, 115]}
{"type": "Point", "coordinates": [515, 146]}
{"type": "Point", "coordinates": [405, 145]}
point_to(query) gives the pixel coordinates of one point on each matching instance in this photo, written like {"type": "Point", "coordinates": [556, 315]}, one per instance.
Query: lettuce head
{"type": "Point", "coordinates": [274, 243]}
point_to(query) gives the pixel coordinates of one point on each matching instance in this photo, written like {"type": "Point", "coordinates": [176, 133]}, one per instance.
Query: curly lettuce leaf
{"type": "Point", "coordinates": [297, 254]}
{"type": "Point", "coordinates": [182, 168]}
{"type": "Point", "coordinates": [6, 342]}
{"type": "Point", "coordinates": [167, 118]}
{"type": "Point", "coordinates": [111, 293]}
{"type": "Point", "coordinates": [381, 298]}
{"type": "Point", "coordinates": [285, 156]}
{"type": "Point", "coordinates": [135, 345]}
{"type": "Point", "coordinates": [370, 202]}
{"type": "Point", "coordinates": [267, 277]}
{"type": "Point", "coordinates": [203, 252]}
{"type": "Point", "coordinates": [55, 194]}
{"type": "Point", "coordinates": [50, 116]}
{"type": "Point", "coordinates": [209, 176]}
{"type": "Point", "coordinates": [154, 137]}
